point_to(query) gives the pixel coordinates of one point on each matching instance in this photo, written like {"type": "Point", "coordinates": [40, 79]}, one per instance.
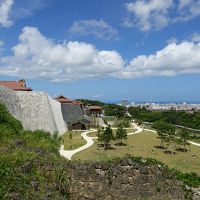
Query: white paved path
{"type": "Point", "coordinates": [69, 153]}
{"type": "Point", "coordinates": [194, 143]}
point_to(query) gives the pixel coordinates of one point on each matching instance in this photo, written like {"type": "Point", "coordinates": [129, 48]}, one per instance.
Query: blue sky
{"type": "Point", "coordinates": [141, 50]}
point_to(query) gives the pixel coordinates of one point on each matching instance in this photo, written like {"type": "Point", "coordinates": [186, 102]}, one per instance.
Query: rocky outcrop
{"type": "Point", "coordinates": [36, 110]}
{"type": "Point", "coordinates": [123, 180]}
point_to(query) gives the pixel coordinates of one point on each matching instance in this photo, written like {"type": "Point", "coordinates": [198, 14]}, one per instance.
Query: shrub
{"type": "Point", "coordinates": [8, 120]}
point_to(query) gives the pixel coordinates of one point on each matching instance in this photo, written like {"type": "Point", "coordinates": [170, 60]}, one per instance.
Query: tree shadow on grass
{"type": "Point", "coordinates": [160, 147]}
{"type": "Point", "coordinates": [182, 149]}
{"type": "Point", "coordinates": [170, 152]}
{"type": "Point", "coordinates": [108, 147]}
{"type": "Point", "coordinates": [120, 144]}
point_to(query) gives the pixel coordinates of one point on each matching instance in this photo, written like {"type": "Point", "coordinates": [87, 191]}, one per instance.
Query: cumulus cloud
{"type": "Point", "coordinates": [28, 8]}
{"type": "Point", "coordinates": [148, 14]}
{"type": "Point", "coordinates": [196, 37]}
{"type": "Point", "coordinates": [188, 9]}
{"type": "Point", "coordinates": [156, 14]}
{"type": "Point", "coordinates": [5, 8]}
{"type": "Point", "coordinates": [97, 28]}
{"type": "Point", "coordinates": [37, 57]}
{"type": "Point", "coordinates": [174, 59]}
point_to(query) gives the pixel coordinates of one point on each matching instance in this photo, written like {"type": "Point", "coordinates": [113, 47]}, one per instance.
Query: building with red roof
{"type": "Point", "coordinates": [16, 85]}
{"type": "Point", "coordinates": [63, 99]}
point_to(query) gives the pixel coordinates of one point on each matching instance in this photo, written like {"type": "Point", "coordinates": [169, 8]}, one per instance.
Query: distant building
{"type": "Point", "coordinates": [125, 102]}
{"type": "Point", "coordinates": [73, 113]}
{"type": "Point", "coordinates": [95, 110]}
{"type": "Point", "coordinates": [16, 85]}
{"type": "Point", "coordinates": [63, 99]}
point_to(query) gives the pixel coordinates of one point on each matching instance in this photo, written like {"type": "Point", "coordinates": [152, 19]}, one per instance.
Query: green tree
{"type": "Point", "coordinates": [121, 134]}
{"type": "Point", "coordinates": [105, 136]}
{"type": "Point", "coordinates": [171, 137]}
{"type": "Point", "coordinates": [161, 129]}
{"type": "Point", "coordinates": [184, 136]}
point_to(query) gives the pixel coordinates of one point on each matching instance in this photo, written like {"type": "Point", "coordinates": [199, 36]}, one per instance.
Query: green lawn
{"type": "Point", "coordinates": [94, 133]}
{"type": "Point", "coordinates": [73, 143]}
{"type": "Point", "coordinates": [143, 145]}
{"type": "Point", "coordinates": [196, 140]}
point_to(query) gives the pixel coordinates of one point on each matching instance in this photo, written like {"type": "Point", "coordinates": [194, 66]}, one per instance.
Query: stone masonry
{"type": "Point", "coordinates": [36, 110]}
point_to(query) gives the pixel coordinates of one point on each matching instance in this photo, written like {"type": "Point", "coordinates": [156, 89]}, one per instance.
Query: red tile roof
{"type": "Point", "coordinates": [63, 99]}
{"type": "Point", "coordinates": [95, 108]}
{"type": "Point", "coordinates": [77, 103]}
{"type": "Point", "coordinates": [15, 85]}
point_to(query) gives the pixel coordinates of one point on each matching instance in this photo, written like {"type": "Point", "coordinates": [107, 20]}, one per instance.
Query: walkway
{"type": "Point", "coordinates": [69, 153]}
{"type": "Point", "coordinates": [194, 143]}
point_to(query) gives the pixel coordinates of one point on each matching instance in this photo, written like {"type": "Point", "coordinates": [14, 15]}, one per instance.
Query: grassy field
{"type": "Point", "coordinates": [94, 133]}
{"type": "Point", "coordinates": [143, 145]}
{"type": "Point", "coordinates": [196, 140]}
{"type": "Point", "coordinates": [73, 143]}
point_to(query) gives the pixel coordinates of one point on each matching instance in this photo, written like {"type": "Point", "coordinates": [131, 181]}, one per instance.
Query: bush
{"type": "Point", "coordinates": [9, 121]}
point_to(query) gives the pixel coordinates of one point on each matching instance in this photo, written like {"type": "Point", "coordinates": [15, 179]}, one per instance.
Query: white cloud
{"type": "Point", "coordinates": [37, 57]}
{"type": "Point", "coordinates": [196, 37]}
{"type": "Point", "coordinates": [148, 14]}
{"type": "Point", "coordinates": [5, 8]}
{"type": "Point", "coordinates": [97, 28]}
{"type": "Point", "coordinates": [27, 8]}
{"type": "Point", "coordinates": [188, 9]}
{"type": "Point", "coordinates": [156, 14]}
{"type": "Point", "coordinates": [172, 40]}
{"type": "Point", "coordinates": [174, 59]}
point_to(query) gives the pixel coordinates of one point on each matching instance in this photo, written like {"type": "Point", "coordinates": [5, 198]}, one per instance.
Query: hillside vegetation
{"type": "Point", "coordinates": [191, 120]}
{"type": "Point", "coordinates": [30, 166]}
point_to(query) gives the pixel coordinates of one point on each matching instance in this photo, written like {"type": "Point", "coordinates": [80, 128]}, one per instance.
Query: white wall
{"type": "Point", "coordinates": [36, 110]}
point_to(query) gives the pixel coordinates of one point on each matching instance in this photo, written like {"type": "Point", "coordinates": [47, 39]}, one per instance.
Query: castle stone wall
{"type": "Point", "coordinates": [36, 110]}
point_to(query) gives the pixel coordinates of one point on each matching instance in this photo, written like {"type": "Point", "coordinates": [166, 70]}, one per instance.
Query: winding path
{"type": "Point", "coordinates": [69, 153]}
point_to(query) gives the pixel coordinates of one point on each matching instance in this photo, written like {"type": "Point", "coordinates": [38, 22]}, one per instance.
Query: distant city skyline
{"type": "Point", "coordinates": [140, 50]}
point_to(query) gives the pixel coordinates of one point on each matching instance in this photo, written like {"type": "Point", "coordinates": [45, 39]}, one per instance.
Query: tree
{"type": "Point", "coordinates": [105, 136]}
{"type": "Point", "coordinates": [184, 136]}
{"type": "Point", "coordinates": [171, 137]}
{"type": "Point", "coordinates": [167, 134]}
{"type": "Point", "coordinates": [161, 129]}
{"type": "Point", "coordinates": [121, 134]}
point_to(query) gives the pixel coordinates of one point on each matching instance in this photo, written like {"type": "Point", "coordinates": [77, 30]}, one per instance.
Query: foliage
{"type": "Point", "coordinates": [121, 134]}
{"type": "Point", "coordinates": [168, 135]}
{"type": "Point", "coordinates": [91, 102]}
{"type": "Point", "coordinates": [9, 121]}
{"type": "Point", "coordinates": [125, 122]}
{"type": "Point", "coordinates": [183, 118]}
{"type": "Point", "coordinates": [184, 135]}
{"type": "Point", "coordinates": [28, 162]}
{"type": "Point", "coordinates": [105, 136]}
{"type": "Point", "coordinates": [114, 110]}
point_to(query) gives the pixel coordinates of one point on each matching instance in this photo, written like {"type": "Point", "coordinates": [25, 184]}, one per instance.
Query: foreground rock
{"type": "Point", "coordinates": [123, 180]}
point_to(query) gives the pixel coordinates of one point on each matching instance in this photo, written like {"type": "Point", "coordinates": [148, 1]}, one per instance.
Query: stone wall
{"type": "Point", "coordinates": [71, 113]}
{"type": "Point", "coordinates": [36, 110]}
{"type": "Point", "coordinates": [123, 180]}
